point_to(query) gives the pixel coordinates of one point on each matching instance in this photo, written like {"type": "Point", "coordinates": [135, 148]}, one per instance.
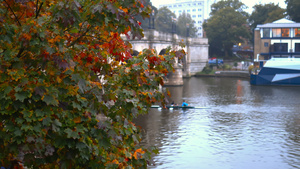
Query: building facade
{"type": "Point", "coordinates": [280, 38]}
{"type": "Point", "coordinates": [198, 9]}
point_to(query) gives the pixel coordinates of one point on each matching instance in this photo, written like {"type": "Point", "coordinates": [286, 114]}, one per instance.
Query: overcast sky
{"type": "Point", "coordinates": [249, 3]}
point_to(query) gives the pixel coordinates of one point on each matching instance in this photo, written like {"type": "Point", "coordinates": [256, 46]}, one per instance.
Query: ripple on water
{"type": "Point", "coordinates": [247, 127]}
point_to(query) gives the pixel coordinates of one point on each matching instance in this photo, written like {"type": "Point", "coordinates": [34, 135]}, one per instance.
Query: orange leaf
{"type": "Point", "coordinates": [77, 119]}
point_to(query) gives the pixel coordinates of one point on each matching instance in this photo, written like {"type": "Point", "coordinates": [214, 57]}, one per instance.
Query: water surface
{"type": "Point", "coordinates": [246, 126]}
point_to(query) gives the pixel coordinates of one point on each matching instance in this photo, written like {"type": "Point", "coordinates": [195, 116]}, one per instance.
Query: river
{"type": "Point", "coordinates": [244, 127]}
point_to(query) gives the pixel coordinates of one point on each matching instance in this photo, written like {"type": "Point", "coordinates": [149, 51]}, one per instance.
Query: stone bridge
{"type": "Point", "coordinates": [194, 61]}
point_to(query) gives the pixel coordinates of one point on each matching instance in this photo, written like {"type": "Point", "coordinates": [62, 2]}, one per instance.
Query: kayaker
{"type": "Point", "coordinates": [184, 104]}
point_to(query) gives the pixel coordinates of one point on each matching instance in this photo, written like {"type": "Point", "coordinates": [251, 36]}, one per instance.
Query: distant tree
{"type": "Point", "coordinates": [163, 19]}
{"type": "Point", "coordinates": [265, 14]}
{"type": "Point", "coordinates": [185, 25]}
{"type": "Point", "coordinates": [293, 8]}
{"type": "Point", "coordinates": [235, 4]}
{"type": "Point", "coordinates": [226, 26]}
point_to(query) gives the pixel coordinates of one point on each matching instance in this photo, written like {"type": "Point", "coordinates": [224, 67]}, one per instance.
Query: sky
{"type": "Point", "coordinates": [249, 3]}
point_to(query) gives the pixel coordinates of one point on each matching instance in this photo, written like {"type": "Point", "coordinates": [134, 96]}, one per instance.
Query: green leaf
{"type": "Point", "coordinates": [50, 100]}
{"type": "Point", "coordinates": [18, 132]}
{"type": "Point", "coordinates": [7, 89]}
{"type": "Point", "coordinates": [46, 121]}
{"type": "Point", "coordinates": [22, 95]}
{"type": "Point", "coordinates": [74, 30]}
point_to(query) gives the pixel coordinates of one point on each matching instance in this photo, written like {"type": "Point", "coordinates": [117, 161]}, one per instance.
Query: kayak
{"type": "Point", "coordinates": [179, 107]}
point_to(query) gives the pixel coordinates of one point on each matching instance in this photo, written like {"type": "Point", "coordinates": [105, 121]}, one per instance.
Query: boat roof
{"type": "Point", "coordinates": [281, 23]}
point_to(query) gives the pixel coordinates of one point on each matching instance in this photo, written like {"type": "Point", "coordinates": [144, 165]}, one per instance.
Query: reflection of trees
{"type": "Point", "coordinates": [158, 124]}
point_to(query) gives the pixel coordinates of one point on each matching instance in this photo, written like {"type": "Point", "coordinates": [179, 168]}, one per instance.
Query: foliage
{"type": "Point", "coordinates": [164, 20]}
{"type": "Point", "coordinates": [292, 8]}
{"type": "Point", "coordinates": [63, 66]}
{"type": "Point", "coordinates": [226, 26]}
{"type": "Point", "coordinates": [226, 67]}
{"type": "Point", "coordinates": [266, 13]}
{"type": "Point", "coordinates": [207, 70]}
{"type": "Point", "coordinates": [185, 23]}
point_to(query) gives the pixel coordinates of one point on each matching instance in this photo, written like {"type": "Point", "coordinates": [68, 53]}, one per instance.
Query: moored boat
{"type": "Point", "coordinates": [277, 71]}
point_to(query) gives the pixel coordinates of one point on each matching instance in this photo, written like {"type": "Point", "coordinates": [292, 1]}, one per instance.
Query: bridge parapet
{"type": "Point", "coordinates": [196, 48]}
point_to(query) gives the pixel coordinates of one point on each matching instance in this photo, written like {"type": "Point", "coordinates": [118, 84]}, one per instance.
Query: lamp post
{"type": "Point", "coordinates": [151, 30]}
{"type": "Point", "coordinates": [187, 30]}
{"type": "Point", "coordinates": [173, 25]}
{"type": "Point", "coordinates": [151, 21]}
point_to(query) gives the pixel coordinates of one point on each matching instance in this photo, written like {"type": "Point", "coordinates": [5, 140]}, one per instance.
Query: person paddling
{"type": "Point", "coordinates": [184, 104]}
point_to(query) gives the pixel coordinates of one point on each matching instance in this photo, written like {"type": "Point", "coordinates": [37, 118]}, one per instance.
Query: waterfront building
{"type": "Point", "coordinates": [198, 9]}
{"type": "Point", "coordinates": [280, 38]}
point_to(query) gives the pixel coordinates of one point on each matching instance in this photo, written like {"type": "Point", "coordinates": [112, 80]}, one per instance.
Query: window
{"type": "Point", "coordinates": [297, 47]}
{"type": "Point", "coordinates": [170, 6]}
{"type": "Point", "coordinates": [179, 5]}
{"type": "Point", "coordinates": [199, 16]}
{"type": "Point", "coordinates": [199, 3]}
{"type": "Point", "coordinates": [266, 44]}
{"type": "Point", "coordinates": [280, 47]}
{"type": "Point", "coordinates": [276, 33]}
{"type": "Point", "coordinates": [297, 32]}
{"type": "Point", "coordinates": [199, 28]}
{"type": "Point", "coordinates": [199, 9]}
{"type": "Point", "coordinates": [285, 32]}
{"type": "Point", "coordinates": [199, 21]}
{"type": "Point", "coordinates": [194, 16]}
{"type": "Point", "coordinates": [194, 10]}
{"type": "Point", "coordinates": [179, 11]}
{"type": "Point", "coordinates": [194, 21]}
{"type": "Point", "coordinates": [175, 5]}
{"type": "Point", "coordinates": [188, 10]}
{"type": "Point", "coordinates": [266, 32]}
{"type": "Point", "coordinates": [194, 4]}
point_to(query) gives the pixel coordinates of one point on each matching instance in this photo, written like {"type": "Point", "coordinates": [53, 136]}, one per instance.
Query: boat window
{"type": "Point", "coordinates": [266, 32]}
{"type": "Point", "coordinates": [276, 32]}
{"type": "Point", "coordinates": [297, 32]}
{"type": "Point", "coordinates": [285, 32]}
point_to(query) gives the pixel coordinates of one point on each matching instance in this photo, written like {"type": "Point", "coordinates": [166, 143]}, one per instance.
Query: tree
{"type": "Point", "coordinates": [292, 8]}
{"type": "Point", "coordinates": [69, 87]}
{"type": "Point", "coordinates": [164, 20]}
{"type": "Point", "coordinates": [185, 25]}
{"type": "Point", "coordinates": [265, 14]}
{"type": "Point", "coordinates": [226, 26]}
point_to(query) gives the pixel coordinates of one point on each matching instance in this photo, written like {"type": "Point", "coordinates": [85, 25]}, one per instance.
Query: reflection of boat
{"type": "Point", "coordinates": [277, 71]}
{"type": "Point", "coordinates": [179, 107]}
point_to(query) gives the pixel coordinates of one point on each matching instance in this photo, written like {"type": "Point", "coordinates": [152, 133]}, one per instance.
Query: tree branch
{"type": "Point", "coordinates": [38, 10]}
{"type": "Point", "coordinates": [83, 34]}
{"type": "Point", "coordinates": [13, 13]}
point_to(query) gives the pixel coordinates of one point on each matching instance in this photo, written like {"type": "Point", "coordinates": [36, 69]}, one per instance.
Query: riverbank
{"type": "Point", "coordinates": [239, 73]}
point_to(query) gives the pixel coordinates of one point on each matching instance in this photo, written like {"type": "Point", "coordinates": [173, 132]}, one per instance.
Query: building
{"type": "Point", "coordinates": [280, 38]}
{"type": "Point", "coordinates": [198, 9]}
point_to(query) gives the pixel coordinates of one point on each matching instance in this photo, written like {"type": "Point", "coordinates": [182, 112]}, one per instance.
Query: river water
{"type": "Point", "coordinates": [244, 127]}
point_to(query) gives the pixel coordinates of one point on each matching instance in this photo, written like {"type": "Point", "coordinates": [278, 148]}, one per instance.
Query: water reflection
{"type": "Point", "coordinates": [246, 126]}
